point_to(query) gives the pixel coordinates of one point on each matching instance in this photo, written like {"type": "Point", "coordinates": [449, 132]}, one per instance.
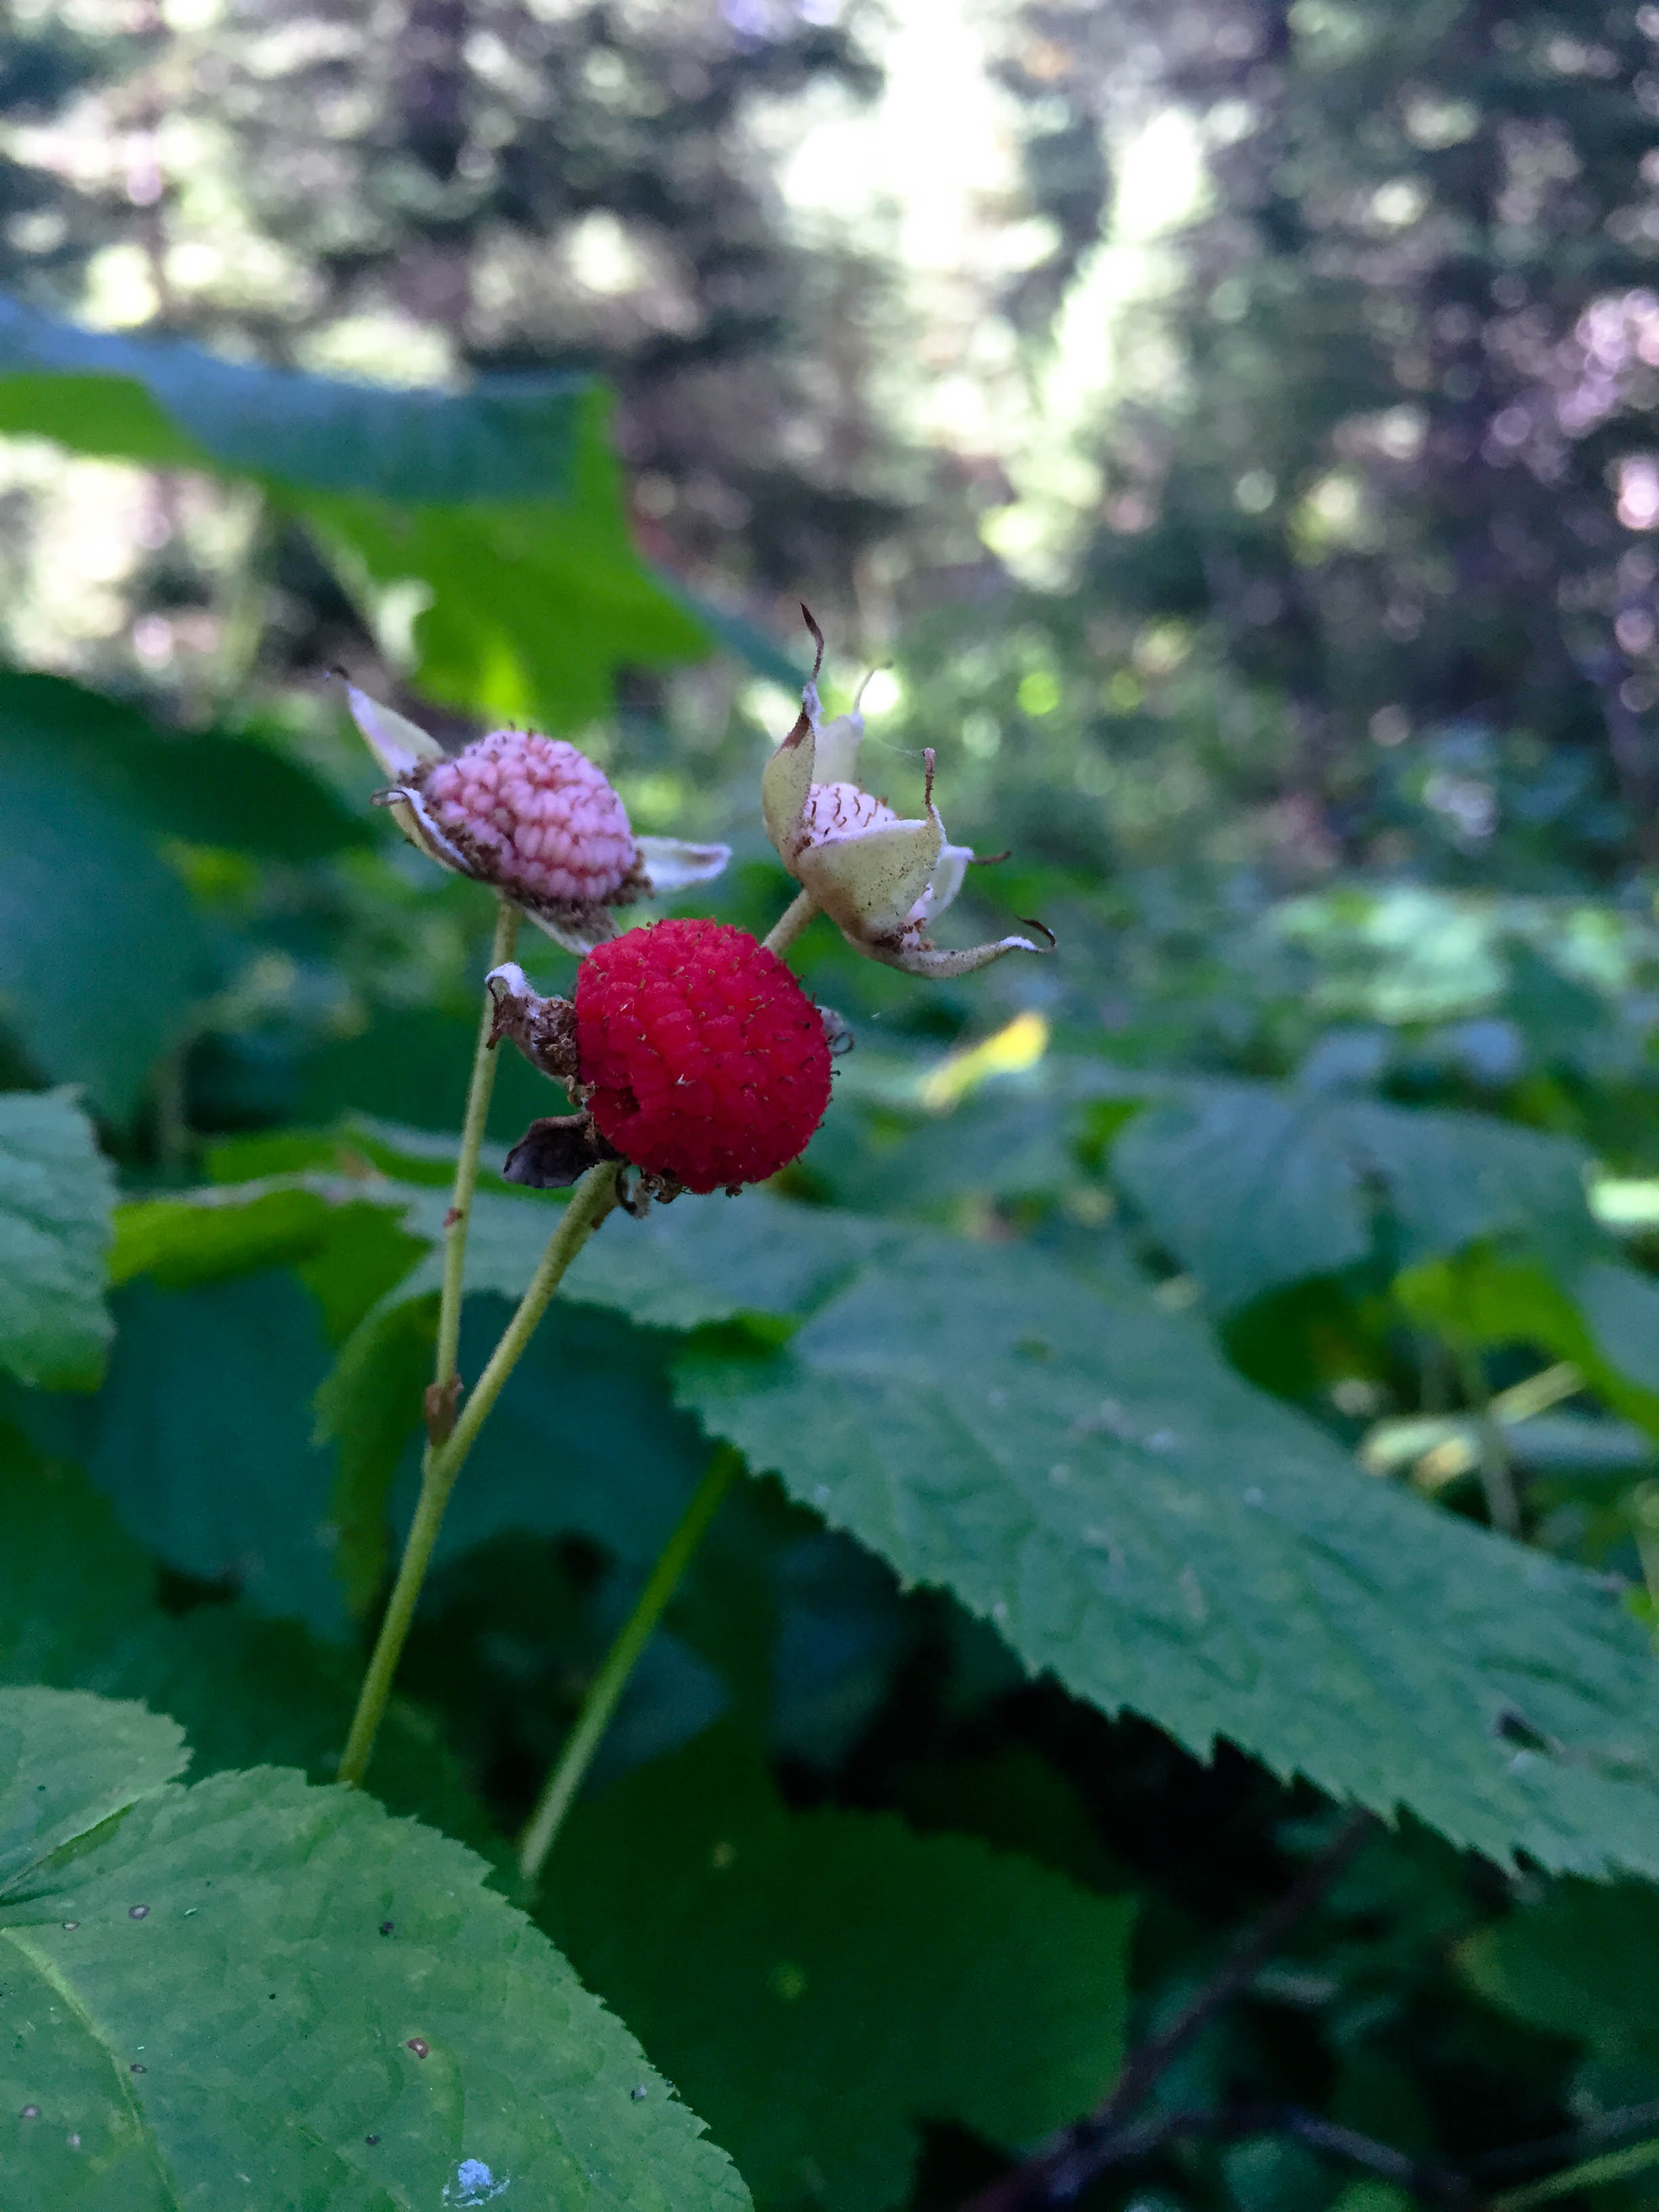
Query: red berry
{"type": "Point", "coordinates": [708, 1060]}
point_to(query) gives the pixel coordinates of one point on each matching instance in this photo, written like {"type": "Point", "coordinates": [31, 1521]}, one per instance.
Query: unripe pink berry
{"type": "Point", "coordinates": [534, 816]}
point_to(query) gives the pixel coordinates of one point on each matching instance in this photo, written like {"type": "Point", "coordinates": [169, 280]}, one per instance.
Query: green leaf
{"type": "Point", "coordinates": [1132, 1516]}
{"type": "Point", "coordinates": [1598, 1319]}
{"type": "Point", "coordinates": [532, 607]}
{"type": "Point", "coordinates": [255, 1992]}
{"type": "Point", "coordinates": [1581, 1962]}
{"type": "Point", "coordinates": [698, 1260]}
{"type": "Point", "coordinates": [198, 1237]}
{"type": "Point", "coordinates": [1249, 1189]}
{"type": "Point", "coordinates": [67, 1764]}
{"type": "Point", "coordinates": [167, 403]}
{"type": "Point", "coordinates": [55, 1192]}
{"type": "Point", "coordinates": [370, 1405]}
{"type": "Point", "coordinates": [101, 951]}
{"type": "Point", "coordinates": [201, 1437]}
{"type": "Point", "coordinates": [820, 1983]}
{"type": "Point", "coordinates": [1253, 1188]}
{"type": "Point", "coordinates": [203, 786]}
{"type": "Point", "coordinates": [78, 1610]}
{"type": "Point", "coordinates": [503, 502]}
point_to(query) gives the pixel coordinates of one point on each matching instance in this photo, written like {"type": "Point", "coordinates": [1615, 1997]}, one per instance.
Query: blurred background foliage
{"type": "Point", "coordinates": [1228, 428]}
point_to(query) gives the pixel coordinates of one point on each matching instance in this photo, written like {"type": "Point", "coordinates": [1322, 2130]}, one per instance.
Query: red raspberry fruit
{"type": "Point", "coordinates": [708, 1062]}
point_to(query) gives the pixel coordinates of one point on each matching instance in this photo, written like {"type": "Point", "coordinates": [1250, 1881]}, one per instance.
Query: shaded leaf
{"type": "Point", "coordinates": [101, 951]}
{"type": "Point", "coordinates": [55, 1192]}
{"type": "Point", "coordinates": [1253, 1188]}
{"type": "Point", "coordinates": [203, 786]}
{"type": "Point", "coordinates": [820, 1983]}
{"type": "Point", "coordinates": [78, 1610]}
{"type": "Point", "coordinates": [1583, 1961]}
{"type": "Point", "coordinates": [201, 1438]}
{"type": "Point", "coordinates": [1250, 1190]}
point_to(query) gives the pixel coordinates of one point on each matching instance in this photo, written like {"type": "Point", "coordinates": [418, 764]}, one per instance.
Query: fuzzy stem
{"type": "Point", "coordinates": [608, 1685]}
{"type": "Point", "coordinates": [590, 1200]}
{"type": "Point", "coordinates": [790, 923]}
{"type": "Point", "coordinates": [458, 1218]}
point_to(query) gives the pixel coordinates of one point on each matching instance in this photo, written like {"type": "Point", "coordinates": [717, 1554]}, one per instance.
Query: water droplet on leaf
{"type": "Point", "coordinates": [473, 2183]}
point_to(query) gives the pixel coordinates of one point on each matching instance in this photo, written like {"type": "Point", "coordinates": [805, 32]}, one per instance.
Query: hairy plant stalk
{"type": "Point", "coordinates": [791, 922]}
{"type": "Point", "coordinates": [592, 1200]}
{"type": "Point", "coordinates": [459, 1217]}
{"type": "Point", "coordinates": [559, 1795]}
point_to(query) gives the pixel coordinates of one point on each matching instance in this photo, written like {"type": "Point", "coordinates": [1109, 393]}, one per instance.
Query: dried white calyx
{"type": "Point", "coordinates": [882, 879]}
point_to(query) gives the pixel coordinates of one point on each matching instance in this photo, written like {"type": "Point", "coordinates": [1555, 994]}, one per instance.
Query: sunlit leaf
{"type": "Point", "coordinates": [257, 1992]}
{"type": "Point", "coordinates": [1086, 1473]}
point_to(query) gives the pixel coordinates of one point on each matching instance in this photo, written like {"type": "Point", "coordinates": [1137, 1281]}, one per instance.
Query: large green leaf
{"type": "Point", "coordinates": [202, 1438]}
{"type": "Point", "coordinates": [820, 1983]}
{"type": "Point", "coordinates": [532, 607]}
{"type": "Point", "coordinates": [79, 1610]}
{"type": "Point", "coordinates": [502, 503]}
{"type": "Point", "coordinates": [1255, 1189]}
{"type": "Point", "coordinates": [1085, 1471]}
{"type": "Point", "coordinates": [259, 1993]}
{"type": "Point", "coordinates": [171, 405]}
{"type": "Point", "coordinates": [204, 786]}
{"type": "Point", "coordinates": [696, 1262]}
{"type": "Point", "coordinates": [1088, 1474]}
{"type": "Point", "coordinates": [101, 951]}
{"type": "Point", "coordinates": [56, 1193]}
{"type": "Point", "coordinates": [67, 1765]}
{"type": "Point", "coordinates": [1581, 1962]}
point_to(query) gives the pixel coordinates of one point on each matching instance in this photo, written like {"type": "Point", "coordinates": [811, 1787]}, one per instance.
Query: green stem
{"type": "Point", "coordinates": [1496, 1475]}
{"type": "Point", "coordinates": [791, 922]}
{"type": "Point", "coordinates": [590, 1200]}
{"type": "Point", "coordinates": [458, 1219]}
{"type": "Point", "coordinates": [620, 1660]}
{"type": "Point", "coordinates": [1613, 2166]}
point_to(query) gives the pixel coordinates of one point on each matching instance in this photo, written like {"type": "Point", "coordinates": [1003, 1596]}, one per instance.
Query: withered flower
{"type": "Point", "coordinates": [882, 879]}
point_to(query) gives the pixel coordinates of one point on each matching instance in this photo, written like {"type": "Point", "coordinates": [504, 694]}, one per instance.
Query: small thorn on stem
{"type": "Point", "coordinates": [927, 763]}
{"type": "Point", "coordinates": [451, 1217]}
{"type": "Point", "coordinates": [440, 1402]}
{"type": "Point", "coordinates": [1042, 927]}
{"type": "Point", "coordinates": [992, 860]}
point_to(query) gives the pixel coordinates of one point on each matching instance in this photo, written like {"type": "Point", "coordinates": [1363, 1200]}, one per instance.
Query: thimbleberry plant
{"type": "Point", "coordinates": [697, 1059]}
